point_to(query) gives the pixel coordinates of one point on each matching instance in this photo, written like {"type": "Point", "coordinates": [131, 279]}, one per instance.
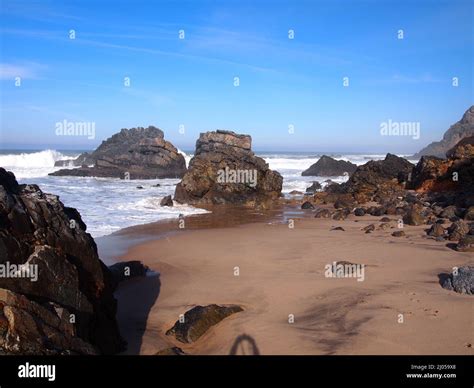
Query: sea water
{"type": "Point", "coordinates": [110, 204]}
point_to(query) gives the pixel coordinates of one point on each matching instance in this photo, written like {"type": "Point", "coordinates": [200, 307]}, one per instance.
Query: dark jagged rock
{"type": "Point", "coordinates": [136, 153]}
{"type": "Point", "coordinates": [225, 170]}
{"type": "Point", "coordinates": [342, 203]}
{"type": "Point", "coordinates": [323, 213]}
{"type": "Point", "coordinates": [461, 281]}
{"type": "Point", "coordinates": [327, 166]}
{"type": "Point", "coordinates": [200, 319]}
{"type": "Point", "coordinates": [457, 230]}
{"type": "Point", "coordinates": [450, 212]}
{"type": "Point", "coordinates": [127, 270]}
{"type": "Point", "coordinates": [399, 233]}
{"type": "Point", "coordinates": [469, 215]}
{"type": "Point", "coordinates": [316, 186]}
{"type": "Point", "coordinates": [376, 211]}
{"type": "Point", "coordinates": [359, 212]}
{"type": "Point", "coordinates": [466, 244]}
{"type": "Point", "coordinates": [166, 201]}
{"type": "Point", "coordinates": [453, 177]}
{"type": "Point", "coordinates": [307, 205]}
{"type": "Point", "coordinates": [463, 128]}
{"type": "Point", "coordinates": [37, 231]}
{"type": "Point", "coordinates": [341, 214]}
{"type": "Point", "coordinates": [369, 228]}
{"type": "Point", "coordinates": [380, 179]}
{"type": "Point", "coordinates": [414, 217]}
{"type": "Point", "coordinates": [436, 230]}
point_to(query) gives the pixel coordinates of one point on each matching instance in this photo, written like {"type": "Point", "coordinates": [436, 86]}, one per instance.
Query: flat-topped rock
{"type": "Point", "coordinates": [225, 170]}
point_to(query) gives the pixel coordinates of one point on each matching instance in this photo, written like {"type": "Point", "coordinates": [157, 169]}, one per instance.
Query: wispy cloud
{"type": "Point", "coordinates": [403, 79]}
{"type": "Point", "coordinates": [10, 71]}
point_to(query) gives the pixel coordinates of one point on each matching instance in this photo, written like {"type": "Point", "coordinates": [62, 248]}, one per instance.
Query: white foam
{"type": "Point", "coordinates": [33, 164]}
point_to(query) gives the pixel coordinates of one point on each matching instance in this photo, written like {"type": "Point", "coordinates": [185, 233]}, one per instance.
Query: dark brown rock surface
{"type": "Point", "coordinates": [136, 153]}
{"type": "Point", "coordinates": [225, 170]}
{"type": "Point", "coordinates": [37, 231]}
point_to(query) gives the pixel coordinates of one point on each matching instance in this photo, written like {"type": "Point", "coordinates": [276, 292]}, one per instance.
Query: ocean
{"type": "Point", "coordinates": [107, 204]}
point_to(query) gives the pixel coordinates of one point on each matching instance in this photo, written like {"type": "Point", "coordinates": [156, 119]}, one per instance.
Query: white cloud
{"type": "Point", "coordinates": [9, 71]}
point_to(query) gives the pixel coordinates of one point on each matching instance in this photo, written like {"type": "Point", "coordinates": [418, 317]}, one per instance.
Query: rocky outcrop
{"type": "Point", "coordinates": [378, 179]}
{"type": "Point", "coordinates": [463, 128]}
{"type": "Point", "coordinates": [200, 319]}
{"type": "Point", "coordinates": [136, 153]}
{"type": "Point", "coordinates": [57, 295]}
{"type": "Point", "coordinates": [167, 201]}
{"type": "Point", "coordinates": [454, 175]}
{"type": "Point", "coordinates": [225, 170]}
{"type": "Point", "coordinates": [327, 166]}
{"type": "Point", "coordinates": [461, 281]}
{"type": "Point", "coordinates": [316, 186]}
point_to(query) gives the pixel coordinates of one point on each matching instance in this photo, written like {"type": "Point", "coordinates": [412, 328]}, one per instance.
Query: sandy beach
{"type": "Point", "coordinates": [290, 306]}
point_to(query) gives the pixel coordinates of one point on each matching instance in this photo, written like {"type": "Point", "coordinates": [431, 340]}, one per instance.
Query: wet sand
{"type": "Point", "coordinates": [399, 307]}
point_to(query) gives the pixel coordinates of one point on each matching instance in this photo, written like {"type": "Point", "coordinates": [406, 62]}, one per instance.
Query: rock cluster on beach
{"type": "Point", "coordinates": [136, 153]}
{"type": "Point", "coordinates": [327, 166]}
{"type": "Point", "coordinates": [70, 308]}
{"type": "Point", "coordinates": [437, 192]}
{"type": "Point", "coordinates": [225, 170]}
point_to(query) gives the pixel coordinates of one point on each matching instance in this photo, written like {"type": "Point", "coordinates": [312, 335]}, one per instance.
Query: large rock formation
{"type": "Point", "coordinates": [378, 179]}
{"type": "Point", "coordinates": [56, 296]}
{"type": "Point", "coordinates": [225, 170]}
{"type": "Point", "coordinates": [327, 166]}
{"type": "Point", "coordinates": [463, 128]}
{"type": "Point", "coordinates": [136, 153]}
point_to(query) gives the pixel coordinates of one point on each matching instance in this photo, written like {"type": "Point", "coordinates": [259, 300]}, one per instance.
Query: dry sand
{"type": "Point", "coordinates": [282, 272]}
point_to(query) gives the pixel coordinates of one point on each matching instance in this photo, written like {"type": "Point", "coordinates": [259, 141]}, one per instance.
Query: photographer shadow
{"type": "Point", "coordinates": [244, 345]}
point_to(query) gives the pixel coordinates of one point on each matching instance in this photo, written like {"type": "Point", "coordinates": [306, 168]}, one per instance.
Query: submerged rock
{"type": "Point", "coordinates": [200, 319]}
{"type": "Point", "coordinates": [167, 201]}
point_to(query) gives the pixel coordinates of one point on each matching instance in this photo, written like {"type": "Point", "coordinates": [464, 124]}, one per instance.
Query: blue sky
{"type": "Point", "coordinates": [190, 81]}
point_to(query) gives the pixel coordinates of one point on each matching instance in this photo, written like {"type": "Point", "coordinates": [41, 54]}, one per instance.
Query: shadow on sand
{"type": "Point", "coordinates": [244, 345]}
{"type": "Point", "coordinates": [136, 297]}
